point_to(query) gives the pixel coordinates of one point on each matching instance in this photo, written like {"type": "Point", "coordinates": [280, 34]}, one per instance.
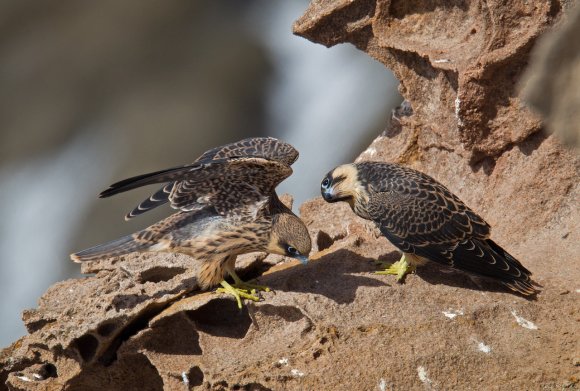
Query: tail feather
{"type": "Point", "coordinates": [488, 259]}
{"type": "Point", "coordinates": [121, 246]}
{"type": "Point", "coordinates": [526, 288]}
{"type": "Point", "coordinates": [497, 263]}
{"type": "Point", "coordinates": [521, 281]}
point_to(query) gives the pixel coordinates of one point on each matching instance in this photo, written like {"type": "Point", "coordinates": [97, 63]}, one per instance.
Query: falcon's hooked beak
{"type": "Point", "coordinates": [303, 259]}
{"type": "Point", "coordinates": [327, 189]}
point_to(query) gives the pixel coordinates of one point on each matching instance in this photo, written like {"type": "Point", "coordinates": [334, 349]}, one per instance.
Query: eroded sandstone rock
{"type": "Point", "coordinates": [458, 61]}
{"type": "Point", "coordinates": [138, 323]}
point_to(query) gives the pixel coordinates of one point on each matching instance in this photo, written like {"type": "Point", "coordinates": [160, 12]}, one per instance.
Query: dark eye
{"type": "Point", "coordinates": [292, 251]}
{"type": "Point", "coordinates": [325, 182]}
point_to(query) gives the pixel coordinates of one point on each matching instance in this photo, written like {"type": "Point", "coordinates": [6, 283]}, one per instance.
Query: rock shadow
{"type": "Point", "coordinates": [174, 335]}
{"type": "Point", "coordinates": [131, 372]}
{"type": "Point", "coordinates": [330, 276]}
{"type": "Point", "coordinates": [436, 274]}
{"type": "Point", "coordinates": [124, 301]}
{"type": "Point", "coordinates": [221, 317]}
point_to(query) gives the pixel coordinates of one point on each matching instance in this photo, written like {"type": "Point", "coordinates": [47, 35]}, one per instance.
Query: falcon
{"type": "Point", "coordinates": [227, 206]}
{"type": "Point", "coordinates": [425, 221]}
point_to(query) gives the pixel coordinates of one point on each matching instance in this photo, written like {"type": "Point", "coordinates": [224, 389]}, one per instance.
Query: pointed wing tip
{"type": "Point", "coordinates": [106, 193]}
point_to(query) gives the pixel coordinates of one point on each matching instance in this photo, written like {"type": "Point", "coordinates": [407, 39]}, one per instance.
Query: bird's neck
{"type": "Point", "coordinates": [358, 201]}
{"type": "Point", "coordinates": [359, 208]}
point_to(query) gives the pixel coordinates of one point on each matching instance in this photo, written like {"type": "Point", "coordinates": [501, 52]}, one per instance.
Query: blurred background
{"type": "Point", "coordinates": [93, 92]}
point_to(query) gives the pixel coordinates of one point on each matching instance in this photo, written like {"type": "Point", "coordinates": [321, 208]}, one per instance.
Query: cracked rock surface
{"type": "Point", "coordinates": [138, 323]}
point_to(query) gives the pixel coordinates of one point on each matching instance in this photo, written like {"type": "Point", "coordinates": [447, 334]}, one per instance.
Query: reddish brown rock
{"type": "Point", "coordinates": [458, 62]}
{"type": "Point", "coordinates": [333, 324]}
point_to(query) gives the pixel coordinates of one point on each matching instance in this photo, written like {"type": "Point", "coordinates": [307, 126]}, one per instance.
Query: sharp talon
{"type": "Point", "coordinates": [239, 284]}
{"type": "Point", "coordinates": [237, 293]}
{"type": "Point", "coordinates": [242, 290]}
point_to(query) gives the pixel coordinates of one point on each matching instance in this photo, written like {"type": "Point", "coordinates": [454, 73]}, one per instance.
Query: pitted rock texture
{"type": "Point", "coordinates": [82, 323]}
{"type": "Point", "coordinates": [333, 325]}
{"type": "Point", "coordinates": [138, 323]}
{"type": "Point", "coordinates": [458, 61]}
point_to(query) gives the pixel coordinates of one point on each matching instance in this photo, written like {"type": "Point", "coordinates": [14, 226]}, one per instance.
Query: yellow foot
{"type": "Point", "coordinates": [400, 268]}
{"type": "Point", "coordinates": [253, 288]}
{"type": "Point", "coordinates": [238, 293]}
{"type": "Point", "coordinates": [238, 283]}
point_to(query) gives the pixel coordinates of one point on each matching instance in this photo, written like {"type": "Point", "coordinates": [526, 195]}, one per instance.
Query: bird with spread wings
{"type": "Point", "coordinates": [227, 205]}
{"type": "Point", "coordinates": [425, 221]}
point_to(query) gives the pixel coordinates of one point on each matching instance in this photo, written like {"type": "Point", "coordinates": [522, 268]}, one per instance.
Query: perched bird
{"type": "Point", "coordinates": [425, 221]}
{"type": "Point", "coordinates": [227, 206]}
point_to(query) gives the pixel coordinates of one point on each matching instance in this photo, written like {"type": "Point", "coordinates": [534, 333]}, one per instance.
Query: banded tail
{"type": "Point", "coordinates": [125, 245]}
{"type": "Point", "coordinates": [517, 277]}
{"type": "Point", "coordinates": [489, 259]}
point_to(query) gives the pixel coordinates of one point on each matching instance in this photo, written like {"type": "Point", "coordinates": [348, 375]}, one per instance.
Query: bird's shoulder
{"type": "Point", "coordinates": [394, 177]}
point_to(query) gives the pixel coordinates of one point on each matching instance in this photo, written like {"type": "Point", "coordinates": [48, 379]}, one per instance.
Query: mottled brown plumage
{"type": "Point", "coordinates": [227, 206]}
{"type": "Point", "coordinates": [182, 192]}
{"type": "Point", "coordinates": [424, 220]}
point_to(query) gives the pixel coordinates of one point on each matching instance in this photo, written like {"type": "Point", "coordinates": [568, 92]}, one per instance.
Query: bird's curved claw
{"type": "Point", "coordinates": [238, 293]}
{"type": "Point", "coordinates": [246, 286]}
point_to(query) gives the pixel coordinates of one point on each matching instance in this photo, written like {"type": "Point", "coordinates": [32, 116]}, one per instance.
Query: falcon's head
{"type": "Point", "coordinates": [342, 184]}
{"type": "Point", "coordinates": [289, 237]}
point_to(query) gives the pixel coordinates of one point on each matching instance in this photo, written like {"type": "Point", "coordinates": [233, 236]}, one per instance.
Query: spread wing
{"type": "Point", "coordinates": [225, 184]}
{"type": "Point", "coordinates": [267, 148]}
{"type": "Point", "coordinates": [230, 185]}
